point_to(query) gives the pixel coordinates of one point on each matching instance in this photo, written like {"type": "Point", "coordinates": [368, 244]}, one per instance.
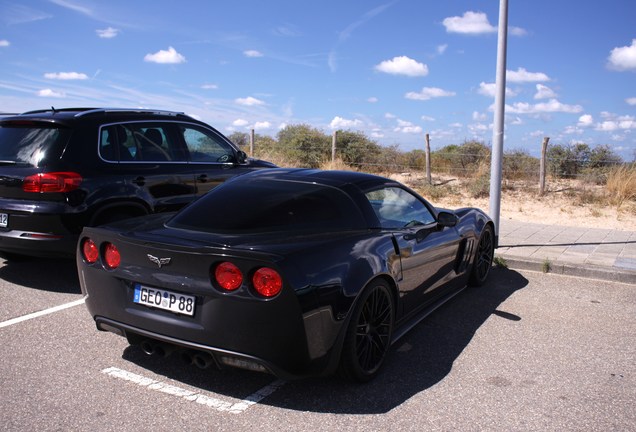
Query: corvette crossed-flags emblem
{"type": "Point", "coordinates": [159, 261]}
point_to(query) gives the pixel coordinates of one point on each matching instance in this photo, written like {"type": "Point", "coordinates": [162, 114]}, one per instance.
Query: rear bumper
{"type": "Point", "coordinates": [221, 357]}
{"type": "Point", "coordinates": [272, 336]}
{"type": "Point", "coordinates": [38, 244]}
{"type": "Point", "coordinates": [43, 229]}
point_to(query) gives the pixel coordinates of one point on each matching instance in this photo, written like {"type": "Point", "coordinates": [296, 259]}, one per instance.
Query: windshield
{"type": "Point", "coordinates": [270, 205]}
{"type": "Point", "coordinates": [30, 145]}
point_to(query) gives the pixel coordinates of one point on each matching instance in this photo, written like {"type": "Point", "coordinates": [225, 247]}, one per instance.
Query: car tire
{"type": "Point", "coordinates": [482, 261]}
{"type": "Point", "coordinates": [369, 333]}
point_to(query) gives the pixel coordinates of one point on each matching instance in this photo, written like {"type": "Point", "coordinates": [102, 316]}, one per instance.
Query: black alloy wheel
{"type": "Point", "coordinates": [483, 257]}
{"type": "Point", "coordinates": [369, 333]}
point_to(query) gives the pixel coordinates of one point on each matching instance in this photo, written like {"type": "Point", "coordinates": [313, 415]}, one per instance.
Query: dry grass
{"type": "Point", "coordinates": [336, 165]}
{"type": "Point", "coordinates": [621, 185]}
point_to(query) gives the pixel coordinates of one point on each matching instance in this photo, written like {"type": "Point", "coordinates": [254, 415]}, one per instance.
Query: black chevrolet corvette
{"type": "Point", "coordinates": [288, 271]}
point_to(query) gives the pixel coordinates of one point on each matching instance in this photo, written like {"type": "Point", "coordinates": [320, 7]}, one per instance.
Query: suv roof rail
{"type": "Point", "coordinates": [90, 111]}
{"type": "Point", "coordinates": [130, 110]}
{"type": "Point", "coordinates": [54, 110]}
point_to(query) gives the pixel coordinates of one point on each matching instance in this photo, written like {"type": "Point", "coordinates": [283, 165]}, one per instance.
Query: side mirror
{"type": "Point", "coordinates": [447, 219]}
{"type": "Point", "coordinates": [241, 157]}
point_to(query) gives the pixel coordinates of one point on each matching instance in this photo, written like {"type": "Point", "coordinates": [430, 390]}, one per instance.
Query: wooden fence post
{"type": "Point", "coordinates": [334, 137]}
{"type": "Point", "coordinates": [428, 160]}
{"type": "Point", "coordinates": [252, 143]}
{"type": "Point", "coordinates": [542, 170]}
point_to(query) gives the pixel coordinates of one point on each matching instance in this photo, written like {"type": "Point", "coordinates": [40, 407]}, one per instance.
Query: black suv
{"type": "Point", "coordinates": [64, 169]}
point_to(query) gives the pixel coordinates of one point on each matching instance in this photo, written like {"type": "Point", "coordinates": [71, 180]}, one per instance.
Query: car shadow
{"type": "Point", "coordinates": [50, 274]}
{"type": "Point", "coordinates": [418, 361]}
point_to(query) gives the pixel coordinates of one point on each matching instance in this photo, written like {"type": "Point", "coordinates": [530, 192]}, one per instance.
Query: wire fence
{"type": "Point", "coordinates": [516, 166]}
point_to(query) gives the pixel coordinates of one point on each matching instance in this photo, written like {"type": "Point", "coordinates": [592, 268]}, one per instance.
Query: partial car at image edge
{"type": "Point", "coordinates": [63, 169]}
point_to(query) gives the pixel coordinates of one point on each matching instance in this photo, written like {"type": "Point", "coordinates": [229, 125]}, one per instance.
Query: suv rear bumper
{"type": "Point", "coordinates": [38, 244]}
{"type": "Point", "coordinates": [40, 228]}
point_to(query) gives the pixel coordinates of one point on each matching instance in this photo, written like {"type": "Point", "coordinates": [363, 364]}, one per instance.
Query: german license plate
{"type": "Point", "coordinates": [163, 299]}
{"type": "Point", "coordinates": [4, 220]}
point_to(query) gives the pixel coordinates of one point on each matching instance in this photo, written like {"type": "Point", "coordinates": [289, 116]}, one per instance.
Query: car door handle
{"type": "Point", "coordinates": [140, 181]}
{"type": "Point", "coordinates": [202, 178]}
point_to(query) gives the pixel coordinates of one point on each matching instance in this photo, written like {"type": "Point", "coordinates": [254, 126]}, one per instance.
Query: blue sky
{"type": "Point", "coordinates": [394, 70]}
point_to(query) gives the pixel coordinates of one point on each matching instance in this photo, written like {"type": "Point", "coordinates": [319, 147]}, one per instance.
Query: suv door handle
{"type": "Point", "coordinates": [202, 178]}
{"type": "Point", "coordinates": [139, 181]}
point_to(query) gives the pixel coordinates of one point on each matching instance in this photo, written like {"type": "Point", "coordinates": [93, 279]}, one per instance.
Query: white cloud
{"type": "Point", "coordinates": [544, 92]}
{"type": "Point", "coordinates": [171, 56]}
{"type": "Point", "coordinates": [477, 128]}
{"type": "Point", "coordinates": [551, 106]}
{"type": "Point", "coordinates": [516, 121]}
{"type": "Point", "coordinates": [585, 120]}
{"type": "Point", "coordinates": [249, 101]}
{"type": "Point", "coordinates": [51, 93]}
{"type": "Point", "coordinates": [389, 116]}
{"type": "Point", "coordinates": [262, 125]}
{"type": "Point", "coordinates": [287, 30]}
{"type": "Point", "coordinates": [407, 127]}
{"type": "Point", "coordinates": [441, 48]}
{"type": "Point", "coordinates": [429, 93]}
{"type": "Point", "coordinates": [209, 86]}
{"type": "Point", "coordinates": [614, 123]}
{"type": "Point", "coordinates": [427, 118]}
{"type": "Point", "coordinates": [573, 130]}
{"type": "Point", "coordinates": [4, 43]}
{"type": "Point", "coordinates": [631, 101]}
{"type": "Point", "coordinates": [477, 116]}
{"type": "Point", "coordinates": [341, 123]}
{"type": "Point", "coordinates": [74, 7]}
{"type": "Point", "coordinates": [107, 33]}
{"type": "Point", "coordinates": [517, 31]}
{"type": "Point", "coordinates": [252, 53]}
{"type": "Point", "coordinates": [623, 58]}
{"type": "Point", "coordinates": [487, 89]}
{"type": "Point", "coordinates": [372, 99]}
{"type": "Point", "coordinates": [490, 89]}
{"type": "Point", "coordinates": [66, 76]}
{"type": "Point", "coordinates": [521, 75]}
{"type": "Point", "coordinates": [402, 65]}
{"type": "Point", "coordinates": [469, 23]}
{"type": "Point", "coordinates": [240, 123]}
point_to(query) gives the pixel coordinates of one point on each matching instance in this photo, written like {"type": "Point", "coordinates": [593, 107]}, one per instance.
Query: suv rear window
{"type": "Point", "coordinates": [31, 144]}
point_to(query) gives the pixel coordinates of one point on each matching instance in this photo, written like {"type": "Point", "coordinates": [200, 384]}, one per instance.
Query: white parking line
{"type": "Point", "coordinates": [41, 313]}
{"type": "Point", "coordinates": [217, 404]}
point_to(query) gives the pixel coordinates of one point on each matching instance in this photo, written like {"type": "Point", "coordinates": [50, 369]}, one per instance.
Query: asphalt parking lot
{"type": "Point", "coordinates": [528, 351]}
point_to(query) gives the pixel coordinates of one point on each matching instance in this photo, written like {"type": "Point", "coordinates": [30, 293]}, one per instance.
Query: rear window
{"type": "Point", "coordinates": [270, 205]}
{"type": "Point", "coordinates": [30, 144]}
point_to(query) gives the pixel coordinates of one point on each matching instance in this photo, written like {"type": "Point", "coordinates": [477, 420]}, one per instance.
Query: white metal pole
{"type": "Point", "coordinates": [498, 125]}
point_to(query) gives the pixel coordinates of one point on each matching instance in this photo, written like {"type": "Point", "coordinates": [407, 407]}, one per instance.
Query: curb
{"type": "Point", "coordinates": [589, 271]}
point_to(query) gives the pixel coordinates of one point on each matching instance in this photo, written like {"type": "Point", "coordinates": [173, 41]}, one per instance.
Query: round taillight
{"type": "Point", "coordinates": [267, 282]}
{"type": "Point", "coordinates": [112, 259]}
{"type": "Point", "coordinates": [90, 251]}
{"type": "Point", "coordinates": [228, 276]}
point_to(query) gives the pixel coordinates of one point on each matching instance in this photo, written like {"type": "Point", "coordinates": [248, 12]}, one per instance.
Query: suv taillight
{"type": "Point", "coordinates": [52, 182]}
